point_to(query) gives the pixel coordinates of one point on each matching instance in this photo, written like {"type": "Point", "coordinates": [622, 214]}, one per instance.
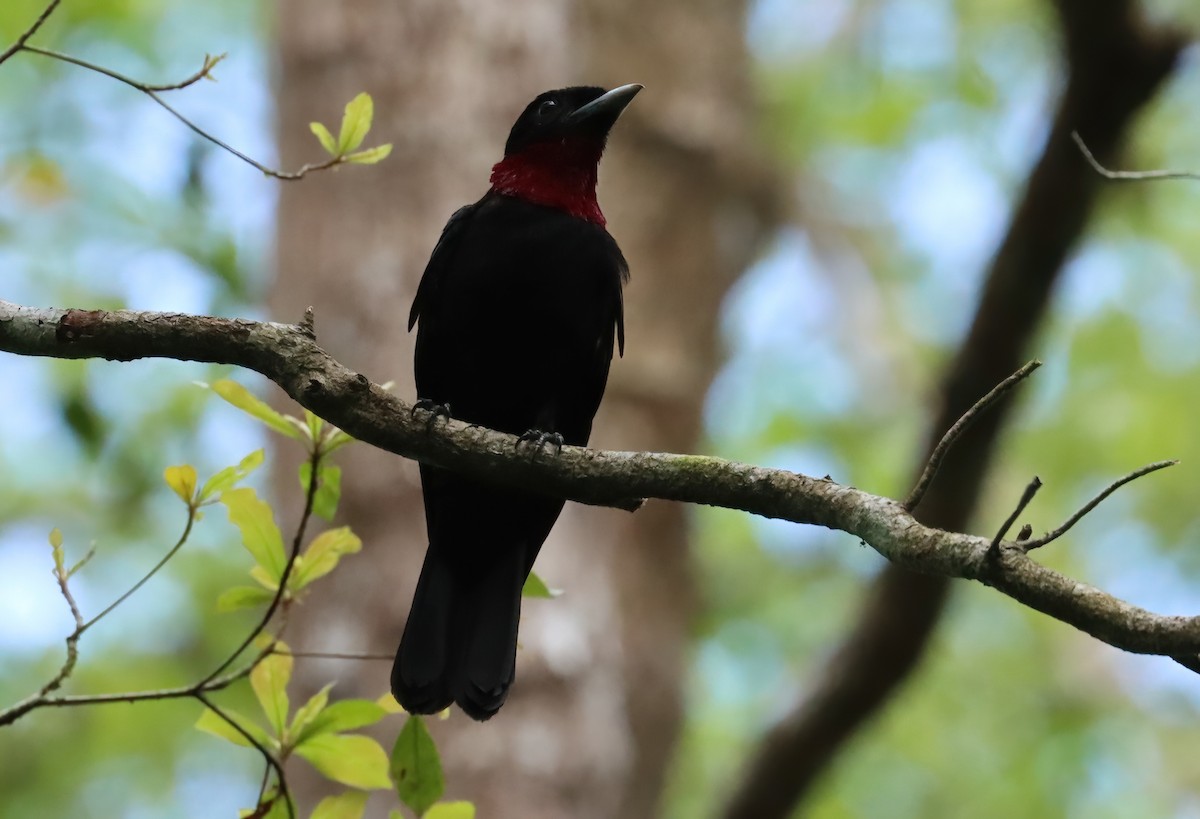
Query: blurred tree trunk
{"type": "Point", "coordinates": [592, 719]}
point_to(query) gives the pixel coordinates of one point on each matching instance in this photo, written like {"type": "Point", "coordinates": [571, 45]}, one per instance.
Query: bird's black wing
{"type": "Point", "coordinates": [439, 260]}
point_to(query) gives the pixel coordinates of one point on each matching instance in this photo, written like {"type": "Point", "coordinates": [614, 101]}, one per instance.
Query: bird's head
{"type": "Point", "coordinates": [555, 146]}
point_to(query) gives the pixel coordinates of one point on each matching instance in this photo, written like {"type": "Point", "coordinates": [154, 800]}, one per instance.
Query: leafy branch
{"type": "Point", "coordinates": [356, 121]}
{"type": "Point", "coordinates": [319, 731]}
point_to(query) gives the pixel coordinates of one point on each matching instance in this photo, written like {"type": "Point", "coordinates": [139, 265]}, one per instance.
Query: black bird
{"type": "Point", "coordinates": [519, 310]}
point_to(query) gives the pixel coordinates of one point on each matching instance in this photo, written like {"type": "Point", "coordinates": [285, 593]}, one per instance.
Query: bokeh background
{"type": "Point", "coordinates": [859, 159]}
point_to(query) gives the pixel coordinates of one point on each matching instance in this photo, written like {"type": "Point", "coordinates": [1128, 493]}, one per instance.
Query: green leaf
{"type": "Point", "coordinates": [345, 715]}
{"type": "Point", "coordinates": [260, 535]}
{"type": "Point", "coordinates": [211, 722]}
{"type": "Point", "coordinates": [353, 760]}
{"type": "Point", "coordinates": [264, 578]}
{"type": "Point", "coordinates": [451, 810]}
{"type": "Point", "coordinates": [336, 440]}
{"type": "Point", "coordinates": [306, 713]}
{"type": "Point", "coordinates": [243, 597]}
{"type": "Point", "coordinates": [416, 767]}
{"type": "Point", "coordinates": [243, 399]}
{"type": "Point", "coordinates": [323, 555]}
{"type": "Point", "coordinates": [56, 549]}
{"type": "Point", "coordinates": [356, 122]}
{"type": "Point", "coordinates": [230, 475]}
{"type": "Point", "coordinates": [324, 137]}
{"type": "Point", "coordinates": [269, 680]}
{"type": "Point", "coordinates": [371, 155]}
{"type": "Point", "coordinates": [536, 587]}
{"type": "Point", "coordinates": [348, 805]}
{"type": "Point", "coordinates": [329, 488]}
{"type": "Point", "coordinates": [182, 480]}
{"type": "Point", "coordinates": [314, 424]}
{"type": "Point", "coordinates": [388, 703]}
{"type": "Point", "coordinates": [83, 561]}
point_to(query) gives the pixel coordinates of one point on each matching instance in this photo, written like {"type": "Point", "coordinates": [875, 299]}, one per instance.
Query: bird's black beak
{"type": "Point", "coordinates": [605, 108]}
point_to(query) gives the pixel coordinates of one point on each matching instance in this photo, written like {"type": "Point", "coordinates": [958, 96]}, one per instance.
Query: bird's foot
{"type": "Point", "coordinates": [434, 409]}
{"type": "Point", "coordinates": [539, 438]}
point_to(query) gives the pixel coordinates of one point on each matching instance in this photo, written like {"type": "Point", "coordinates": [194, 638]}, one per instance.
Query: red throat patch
{"type": "Point", "coordinates": [560, 174]}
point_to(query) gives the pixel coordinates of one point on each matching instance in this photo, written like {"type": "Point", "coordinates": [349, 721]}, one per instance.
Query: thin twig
{"type": "Point", "coordinates": [266, 754]}
{"type": "Point", "coordinates": [187, 530]}
{"type": "Point", "coordinates": [29, 32]}
{"type": "Point", "coordinates": [960, 426]}
{"type": "Point", "coordinates": [1093, 503]}
{"type": "Point", "coordinates": [1128, 176]}
{"type": "Point", "coordinates": [205, 73]}
{"type": "Point", "coordinates": [309, 498]}
{"type": "Point", "coordinates": [149, 91]}
{"type": "Point", "coordinates": [62, 576]}
{"type": "Point", "coordinates": [334, 655]}
{"type": "Point", "coordinates": [994, 548]}
{"type": "Point", "coordinates": [34, 702]}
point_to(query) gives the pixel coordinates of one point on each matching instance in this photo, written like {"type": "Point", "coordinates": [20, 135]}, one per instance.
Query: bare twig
{"type": "Point", "coordinates": [1026, 496]}
{"type": "Point", "coordinates": [960, 426]}
{"type": "Point", "coordinates": [334, 655]}
{"type": "Point", "coordinates": [150, 91]}
{"type": "Point", "coordinates": [187, 530]}
{"type": "Point", "coordinates": [1049, 537]}
{"type": "Point", "coordinates": [1128, 176]}
{"type": "Point", "coordinates": [32, 703]}
{"type": "Point", "coordinates": [63, 575]}
{"type": "Point", "coordinates": [204, 73]}
{"type": "Point", "coordinates": [29, 32]}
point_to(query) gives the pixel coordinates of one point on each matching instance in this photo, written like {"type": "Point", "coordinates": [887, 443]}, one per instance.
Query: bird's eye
{"type": "Point", "coordinates": [546, 108]}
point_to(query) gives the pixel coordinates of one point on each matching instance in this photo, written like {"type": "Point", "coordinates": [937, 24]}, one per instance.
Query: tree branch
{"type": "Point", "coordinates": [289, 356]}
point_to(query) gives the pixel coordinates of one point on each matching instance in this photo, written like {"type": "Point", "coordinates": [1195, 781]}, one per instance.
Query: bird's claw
{"type": "Point", "coordinates": [539, 438]}
{"type": "Point", "coordinates": [434, 409]}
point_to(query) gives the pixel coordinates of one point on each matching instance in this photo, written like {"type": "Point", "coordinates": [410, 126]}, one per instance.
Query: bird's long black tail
{"type": "Point", "coordinates": [460, 641]}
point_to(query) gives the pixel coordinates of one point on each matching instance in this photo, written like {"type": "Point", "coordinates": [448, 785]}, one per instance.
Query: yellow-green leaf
{"type": "Point", "coordinates": [305, 714]}
{"type": "Point", "coordinates": [351, 759]}
{"type": "Point", "coordinates": [324, 137]}
{"type": "Point", "coordinates": [345, 715]}
{"type": "Point", "coordinates": [261, 575]}
{"type": "Point", "coordinates": [388, 703]}
{"type": "Point", "coordinates": [356, 122]}
{"type": "Point", "coordinates": [243, 399]}
{"type": "Point", "coordinates": [269, 680]}
{"type": "Point", "coordinates": [182, 480]}
{"type": "Point", "coordinates": [536, 587]}
{"type": "Point", "coordinates": [348, 805]}
{"type": "Point", "coordinates": [56, 549]}
{"type": "Point", "coordinates": [230, 475]}
{"type": "Point", "coordinates": [243, 597]}
{"type": "Point", "coordinates": [213, 723]}
{"type": "Point", "coordinates": [255, 520]}
{"type": "Point", "coordinates": [371, 155]}
{"type": "Point", "coordinates": [323, 555]}
{"type": "Point", "coordinates": [451, 810]}
{"type": "Point", "coordinates": [335, 440]}
{"type": "Point", "coordinates": [416, 767]}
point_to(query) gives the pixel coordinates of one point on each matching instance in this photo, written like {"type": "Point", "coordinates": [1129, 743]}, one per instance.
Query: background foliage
{"type": "Point", "coordinates": [909, 126]}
